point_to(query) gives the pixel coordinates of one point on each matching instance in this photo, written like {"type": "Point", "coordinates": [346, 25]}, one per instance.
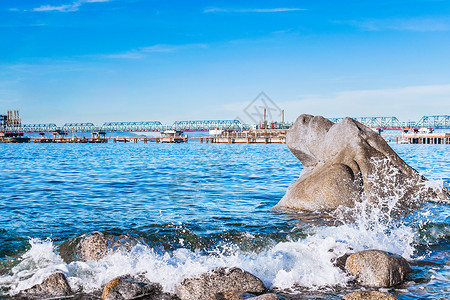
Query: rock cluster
{"type": "Point", "coordinates": [371, 268]}
{"type": "Point", "coordinates": [346, 162]}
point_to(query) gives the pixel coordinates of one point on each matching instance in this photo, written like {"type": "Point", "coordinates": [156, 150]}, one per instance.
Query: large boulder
{"type": "Point", "coordinates": [369, 295]}
{"type": "Point", "coordinates": [54, 286]}
{"type": "Point", "coordinates": [376, 268]}
{"type": "Point", "coordinates": [219, 281]}
{"type": "Point", "coordinates": [347, 162]}
{"type": "Point", "coordinates": [97, 245]}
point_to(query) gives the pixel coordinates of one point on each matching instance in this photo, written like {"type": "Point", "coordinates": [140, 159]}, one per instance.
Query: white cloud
{"type": "Point", "coordinates": [252, 10]}
{"type": "Point", "coordinates": [159, 48]}
{"type": "Point", "coordinates": [61, 8]}
{"type": "Point", "coordinates": [74, 6]}
{"type": "Point", "coordinates": [417, 24]}
{"type": "Point", "coordinates": [405, 103]}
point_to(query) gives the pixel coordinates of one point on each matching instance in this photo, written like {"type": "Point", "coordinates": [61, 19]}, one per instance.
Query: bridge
{"type": "Point", "coordinates": [149, 126]}
{"type": "Point", "coordinates": [392, 123]}
{"type": "Point", "coordinates": [379, 123]}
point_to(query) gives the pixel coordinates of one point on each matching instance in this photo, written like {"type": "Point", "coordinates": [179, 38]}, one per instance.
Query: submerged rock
{"type": "Point", "coordinates": [219, 281]}
{"type": "Point", "coordinates": [129, 287]}
{"type": "Point", "coordinates": [369, 295]}
{"type": "Point", "coordinates": [346, 162]}
{"type": "Point", "coordinates": [377, 268]}
{"type": "Point", "coordinates": [97, 245]}
{"type": "Point", "coordinates": [54, 286]}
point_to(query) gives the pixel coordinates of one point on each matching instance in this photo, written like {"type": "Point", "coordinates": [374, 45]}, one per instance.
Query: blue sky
{"type": "Point", "coordinates": [138, 60]}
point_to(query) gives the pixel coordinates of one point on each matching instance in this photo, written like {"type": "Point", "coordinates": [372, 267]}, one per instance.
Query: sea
{"type": "Point", "coordinates": [195, 207]}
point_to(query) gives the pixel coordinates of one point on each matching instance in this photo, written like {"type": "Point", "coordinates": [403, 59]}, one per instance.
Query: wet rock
{"type": "Point", "coordinates": [165, 296]}
{"type": "Point", "coordinates": [55, 285]}
{"type": "Point", "coordinates": [127, 287]}
{"type": "Point", "coordinates": [345, 162]}
{"type": "Point", "coordinates": [339, 262]}
{"type": "Point", "coordinates": [369, 295]}
{"type": "Point", "coordinates": [230, 295]}
{"type": "Point", "coordinates": [97, 245]}
{"type": "Point", "coordinates": [268, 297]}
{"type": "Point", "coordinates": [219, 281]}
{"type": "Point", "coordinates": [377, 268]}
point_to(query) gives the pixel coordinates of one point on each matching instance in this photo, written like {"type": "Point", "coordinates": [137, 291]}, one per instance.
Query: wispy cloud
{"type": "Point", "coordinates": [74, 6]}
{"type": "Point", "coordinates": [403, 102]}
{"type": "Point", "coordinates": [159, 48]}
{"type": "Point", "coordinates": [417, 24]}
{"type": "Point", "coordinates": [406, 103]}
{"type": "Point", "coordinates": [251, 10]}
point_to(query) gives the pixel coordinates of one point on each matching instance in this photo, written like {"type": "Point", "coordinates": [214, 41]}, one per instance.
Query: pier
{"type": "Point", "coordinates": [428, 130]}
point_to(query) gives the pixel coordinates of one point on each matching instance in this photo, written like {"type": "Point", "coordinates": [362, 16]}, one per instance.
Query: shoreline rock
{"type": "Point", "coordinates": [219, 281]}
{"type": "Point", "coordinates": [230, 295]}
{"type": "Point", "coordinates": [54, 286]}
{"type": "Point", "coordinates": [347, 162]}
{"type": "Point", "coordinates": [128, 287]}
{"type": "Point", "coordinates": [376, 268]}
{"type": "Point", "coordinates": [97, 245]}
{"type": "Point", "coordinates": [369, 295]}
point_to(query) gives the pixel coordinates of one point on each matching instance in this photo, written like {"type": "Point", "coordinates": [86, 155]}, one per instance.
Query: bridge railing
{"type": "Point", "coordinates": [200, 125]}
{"type": "Point", "coordinates": [132, 126]}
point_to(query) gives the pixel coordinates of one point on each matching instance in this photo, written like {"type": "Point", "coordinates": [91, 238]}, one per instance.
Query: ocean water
{"type": "Point", "coordinates": [195, 207]}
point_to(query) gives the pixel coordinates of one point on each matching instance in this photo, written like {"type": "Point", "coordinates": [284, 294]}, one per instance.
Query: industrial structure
{"type": "Point", "coordinates": [12, 128]}
{"type": "Point", "coordinates": [14, 125]}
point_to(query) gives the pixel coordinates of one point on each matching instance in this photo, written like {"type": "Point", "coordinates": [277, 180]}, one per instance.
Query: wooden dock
{"type": "Point", "coordinates": [421, 138]}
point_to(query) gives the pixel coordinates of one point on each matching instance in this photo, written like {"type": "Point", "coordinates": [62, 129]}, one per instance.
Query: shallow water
{"type": "Point", "coordinates": [200, 206]}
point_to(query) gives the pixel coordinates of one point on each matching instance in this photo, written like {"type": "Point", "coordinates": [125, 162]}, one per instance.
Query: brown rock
{"type": "Point", "coordinates": [231, 295]}
{"type": "Point", "coordinates": [377, 268]}
{"type": "Point", "coordinates": [268, 297]}
{"type": "Point", "coordinates": [127, 287]}
{"type": "Point", "coordinates": [219, 281]}
{"type": "Point", "coordinates": [97, 245]}
{"type": "Point", "coordinates": [369, 295]}
{"type": "Point", "coordinates": [345, 162]}
{"type": "Point", "coordinates": [55, 285]}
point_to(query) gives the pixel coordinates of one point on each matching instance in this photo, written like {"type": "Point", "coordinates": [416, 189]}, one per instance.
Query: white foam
{"type": "Point", "coordinates": [35, 265]}
{"type": "Point", "coordinates": [306, 262]}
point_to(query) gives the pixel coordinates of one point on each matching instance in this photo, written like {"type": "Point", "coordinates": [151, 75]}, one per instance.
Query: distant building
{"type": "Point", "coordinates": [3, 120]}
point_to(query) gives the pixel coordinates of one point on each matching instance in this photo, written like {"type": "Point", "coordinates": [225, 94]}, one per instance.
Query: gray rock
{"type": "Point", "coordinates": [345, 162]}
{"type": "Point", "coordinates": [369, 295]}
{"type": "Point", "coordinates": [97, 245]}
{"type": "Point", "coordinates": [219, 281]}
{"type": "Point", "coordinates": [55, 285]}
{"type": "Point", "coordinates": [127, 287]}
{"type": "Point", "coordinates": [377, 268]}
